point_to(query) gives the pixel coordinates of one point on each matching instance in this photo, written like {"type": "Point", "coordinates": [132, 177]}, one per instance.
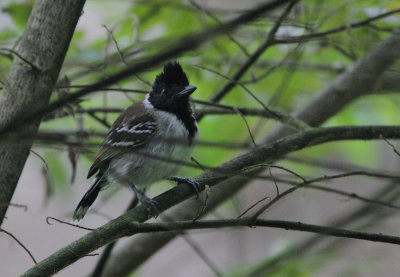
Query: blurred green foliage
{"type": "Point", "coordinates": [144, 27]}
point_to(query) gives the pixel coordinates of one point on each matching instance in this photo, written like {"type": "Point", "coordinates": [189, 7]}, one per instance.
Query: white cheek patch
{"type": "Point", "coordinates": [147, 103]}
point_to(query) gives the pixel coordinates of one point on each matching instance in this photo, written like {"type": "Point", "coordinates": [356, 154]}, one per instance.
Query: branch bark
{"type": "Point", "coordinates": [43, 46]}
{"type": "Point", "coordinates": [122, 226]}
{"type": "Point", "coordinates": [249, 222]}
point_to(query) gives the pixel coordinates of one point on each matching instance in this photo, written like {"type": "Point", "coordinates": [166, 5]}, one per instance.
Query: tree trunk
{"type": "Point", "coordinates": [33, 74]}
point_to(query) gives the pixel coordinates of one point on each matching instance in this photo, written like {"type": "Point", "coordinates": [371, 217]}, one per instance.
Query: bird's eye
{"type": "Point", "coordinates": [164, 91]}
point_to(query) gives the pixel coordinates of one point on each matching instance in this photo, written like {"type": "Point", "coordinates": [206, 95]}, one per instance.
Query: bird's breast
{"type": "Point", "coordinates": [161, 158]}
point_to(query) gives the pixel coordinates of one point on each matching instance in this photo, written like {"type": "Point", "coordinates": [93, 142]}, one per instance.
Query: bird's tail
{"type": "Point", "coordinates": [98, 183]}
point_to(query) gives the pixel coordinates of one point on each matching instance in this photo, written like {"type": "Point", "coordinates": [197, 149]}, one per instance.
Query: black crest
{"type": "Point", "coordinates": [172, 76]}
{"type": "Point", "coordinates": [167, 94]}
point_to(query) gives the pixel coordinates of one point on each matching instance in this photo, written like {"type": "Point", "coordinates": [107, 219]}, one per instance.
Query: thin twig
{"type": "Point", "coordinates": [393, 147]}
{"type": "Point", "coordinates": [196, 248]}
{"type": "Point", "coordinates": [289, 171]}
{"type": "Point", "coordinates": [254, 57]}
{"type": "Point", "coordinates": [274, 180]}
{"type": "Point", "coordinates": [271, 69]}
{"type": "Point", "coordinates": [40, 157]}
{"type": "Point", "coordinates": [20, 243]}
{"type": "Point", "coordinates": [345, 27]}
{"type": "Point", "coordinates": [283, 118]}
{"type": "Point", "coordinates": [198, 163]}
{"type": "Point", "coordinates": [98, 119]}
{"type": "Point", "coordinates": [247, 126]}
{"type": "Point", "coordinates": [210, 14]}
{"type": "Point", "coordinates": [20, 57]}
{"type": "Point", "coordinates": [308, 184]}
{"type": "Point", "coordinates": [25, 207]}
{"type": "Point", "coordinates": [253, 205]}
{"type": "Point", "coordinates": [67, 223]}
{"type": "Point", "coordinates": [121, 55]}
{"type": "Point", "coordinates": [204, 205]}
{"type": "Point", "coordinates": [209, 262]}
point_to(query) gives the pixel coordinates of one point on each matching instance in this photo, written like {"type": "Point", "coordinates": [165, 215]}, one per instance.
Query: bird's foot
{"type": "Point", "coordinates": [150, 203]}
{"type": "Point", "coordinates": [193, 183]}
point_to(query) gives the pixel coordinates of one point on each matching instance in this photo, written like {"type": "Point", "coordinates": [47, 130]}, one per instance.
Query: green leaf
{"type": "Point", "coordinates": [19, 12]}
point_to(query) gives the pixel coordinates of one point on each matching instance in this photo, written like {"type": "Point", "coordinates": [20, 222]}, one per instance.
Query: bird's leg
{"type": "Point", "coordinates": [145, 200]}
{"type": "Point", "coordinates": [193, 183]}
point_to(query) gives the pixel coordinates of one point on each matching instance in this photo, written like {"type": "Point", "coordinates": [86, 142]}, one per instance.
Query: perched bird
{"type": "Point", "coordinates": [146, 139]}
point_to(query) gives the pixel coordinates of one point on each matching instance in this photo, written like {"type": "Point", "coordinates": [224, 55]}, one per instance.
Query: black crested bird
{"type": "Point", "coordinates": [138, 149]}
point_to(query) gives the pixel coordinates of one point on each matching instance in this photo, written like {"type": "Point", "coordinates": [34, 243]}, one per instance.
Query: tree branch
{"type": "Point", "coordinates": [137, 228]}
{"type": "Point", "coordinates": [121, 226]}
{"type": "Point", "coordinates": [359, 80]}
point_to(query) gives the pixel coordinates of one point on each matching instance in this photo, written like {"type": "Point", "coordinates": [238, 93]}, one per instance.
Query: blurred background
{"type": "Point", "coordinates": [112, 34]}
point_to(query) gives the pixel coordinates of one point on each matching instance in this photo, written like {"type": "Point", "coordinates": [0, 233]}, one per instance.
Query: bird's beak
{"type": "Point", "coordinates": [188, 90]}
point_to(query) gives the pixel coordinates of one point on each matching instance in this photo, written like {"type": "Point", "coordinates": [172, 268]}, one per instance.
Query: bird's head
{"type": "Point", "coordinates": [171, 90]}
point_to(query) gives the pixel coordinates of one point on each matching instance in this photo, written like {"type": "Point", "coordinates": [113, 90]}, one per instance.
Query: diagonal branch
{"type": "Point", "coordinates": [122, 225]}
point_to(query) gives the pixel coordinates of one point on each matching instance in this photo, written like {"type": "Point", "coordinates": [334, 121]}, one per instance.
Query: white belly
{"type": "Point", "coordinates": [160, 159]}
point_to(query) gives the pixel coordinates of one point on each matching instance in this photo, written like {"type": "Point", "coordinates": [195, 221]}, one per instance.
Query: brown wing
{"type": "Point", "coordinates": [132, 129]}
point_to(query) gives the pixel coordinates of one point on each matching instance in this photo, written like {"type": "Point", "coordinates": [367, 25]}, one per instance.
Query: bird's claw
{"type": "Point", "coordinates": [193, 183]}
{"type": "Point", "coordinates": [150, 203]}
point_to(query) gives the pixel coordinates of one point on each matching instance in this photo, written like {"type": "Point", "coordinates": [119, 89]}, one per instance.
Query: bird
{"type": "Point", "coordinates": [145, 141]}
